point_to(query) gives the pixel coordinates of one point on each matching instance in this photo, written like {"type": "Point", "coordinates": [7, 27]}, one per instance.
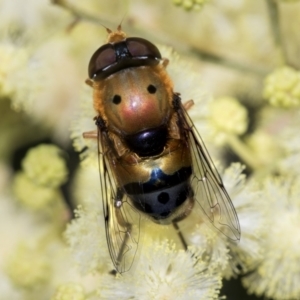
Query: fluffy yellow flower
{"type": "Point", "coordinates": [278, 274]}
{"type": "Point", "coordinates": [88, 229]}
{"type": "Point", "coordinates": [45, 166]}
{"type": "Point", "coordinates": [31, 195]}
{"type": "Point", "coordinates": [282, 87]}
{"type": "Point", "coordinates": [190, 4]}
{"type": "Point", "coordinates": [232, 257]}
{"type": "Point", "coordinates": [228, 117]}
{"type": "Point", "coordinates": [165, 273]}
{"type": "Point", "coordinates": [12, 59]}
{"type": "Point", "coordinates": [252, 209]}
{"type": "Point", "coordinates": [28, 267]}
{"type": "Point", "coordinates": [69, 291]}
{"type": "Point", "coordinates": [289, 142]}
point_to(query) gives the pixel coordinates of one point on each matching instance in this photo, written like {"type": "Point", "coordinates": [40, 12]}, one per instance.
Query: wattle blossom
{"type": "Point", "coordinates": [277, 275]}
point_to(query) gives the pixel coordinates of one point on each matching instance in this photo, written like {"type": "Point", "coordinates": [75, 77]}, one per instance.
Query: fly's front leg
{"type": "Point", "coordinates": [165, 62]}
{"type": "Point", "coordinates": [176, 102]}
{"type": "Point", "coordinates": [93, 134]}
{"type": "Point", "coordinates": [90, 134]}
{"type": "Point", "coordinates": [188, 104]}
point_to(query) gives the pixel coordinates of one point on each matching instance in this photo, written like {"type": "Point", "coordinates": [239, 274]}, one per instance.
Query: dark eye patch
{"type": "Point", "coordinates": [117, 99]}
{"type": "Point", "coordinates": [151, 89]}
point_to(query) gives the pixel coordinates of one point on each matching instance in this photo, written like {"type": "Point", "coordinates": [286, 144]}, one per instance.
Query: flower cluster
{"type": "Point", "coordinates": [280, 257]}
{"type": "Point", "coordinates": [69, 291]}
{"type": "Point", "coordinates": [191, 4]}
{"type": "Point", "coordinates": [13, 59]}
{"type": "Point", "coordinates": [160, 276]}
{"type": "Point", "coordinates": [282, 87]}
{"type": "Point", "coordinates": [228, 117]}
{"type": "Point", "coordinates": [28, 267]}
{"type": "Point", "coordinates": [44, 171]}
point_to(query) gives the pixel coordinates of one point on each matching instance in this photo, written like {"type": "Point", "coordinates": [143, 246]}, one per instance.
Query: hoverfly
{"type": "Point", "coordinates": [152, 160]}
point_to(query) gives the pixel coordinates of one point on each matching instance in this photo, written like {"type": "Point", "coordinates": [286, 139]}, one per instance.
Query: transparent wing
{"type": "Point", "coordinates": [122, 222]}
{"type": "Point", "coordinates": [207, 185]}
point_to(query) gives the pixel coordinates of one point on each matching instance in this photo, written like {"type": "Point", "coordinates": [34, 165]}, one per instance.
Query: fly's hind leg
{"type": "Point", "coordinates": [189, 204]}
{"type": "Point", "coordinates": [180, 235]}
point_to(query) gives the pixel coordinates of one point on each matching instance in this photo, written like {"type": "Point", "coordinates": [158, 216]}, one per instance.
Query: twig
{"type": "Point", "coordinates": [80, 15]}
{"type": "Point", "coordinates": [230, 63]}
{"type": "Point", "coordinates": [275, 27]}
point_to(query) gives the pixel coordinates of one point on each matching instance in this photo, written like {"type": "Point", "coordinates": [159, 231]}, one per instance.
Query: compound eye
{"type": "Point", "coordinates": [104, 57]}
{"type": "Point", "coordinates": [139, 47]}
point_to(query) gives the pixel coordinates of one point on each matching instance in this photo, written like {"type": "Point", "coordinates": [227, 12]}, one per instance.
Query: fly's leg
{"type": "Point", "coordinates": [165, 62]}
{"type": "Point", "coordinates": [180, 235]}
{"type": "Point", "coordinates": [90, 134]}
{"type": "Point", "coordinates": [89, 82]}
{"type": "Point", "coordinates": [176, 102]}
{"type": "Point", "coordinates": [94, 134]}
{"type": "Point", "coordinates": [188, 104]}
{"type": "Point", "coordinates": [188, 210]}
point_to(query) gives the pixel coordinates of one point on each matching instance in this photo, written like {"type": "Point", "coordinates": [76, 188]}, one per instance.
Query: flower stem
{"type": "Point", "coordinates": [243, 152]}
{"type": "Point", "coordinates": [206, 56]}
{"type": "Point", "coordinates": [275, 27]}
{"type": "Point", "coordinates": [80, 15]}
